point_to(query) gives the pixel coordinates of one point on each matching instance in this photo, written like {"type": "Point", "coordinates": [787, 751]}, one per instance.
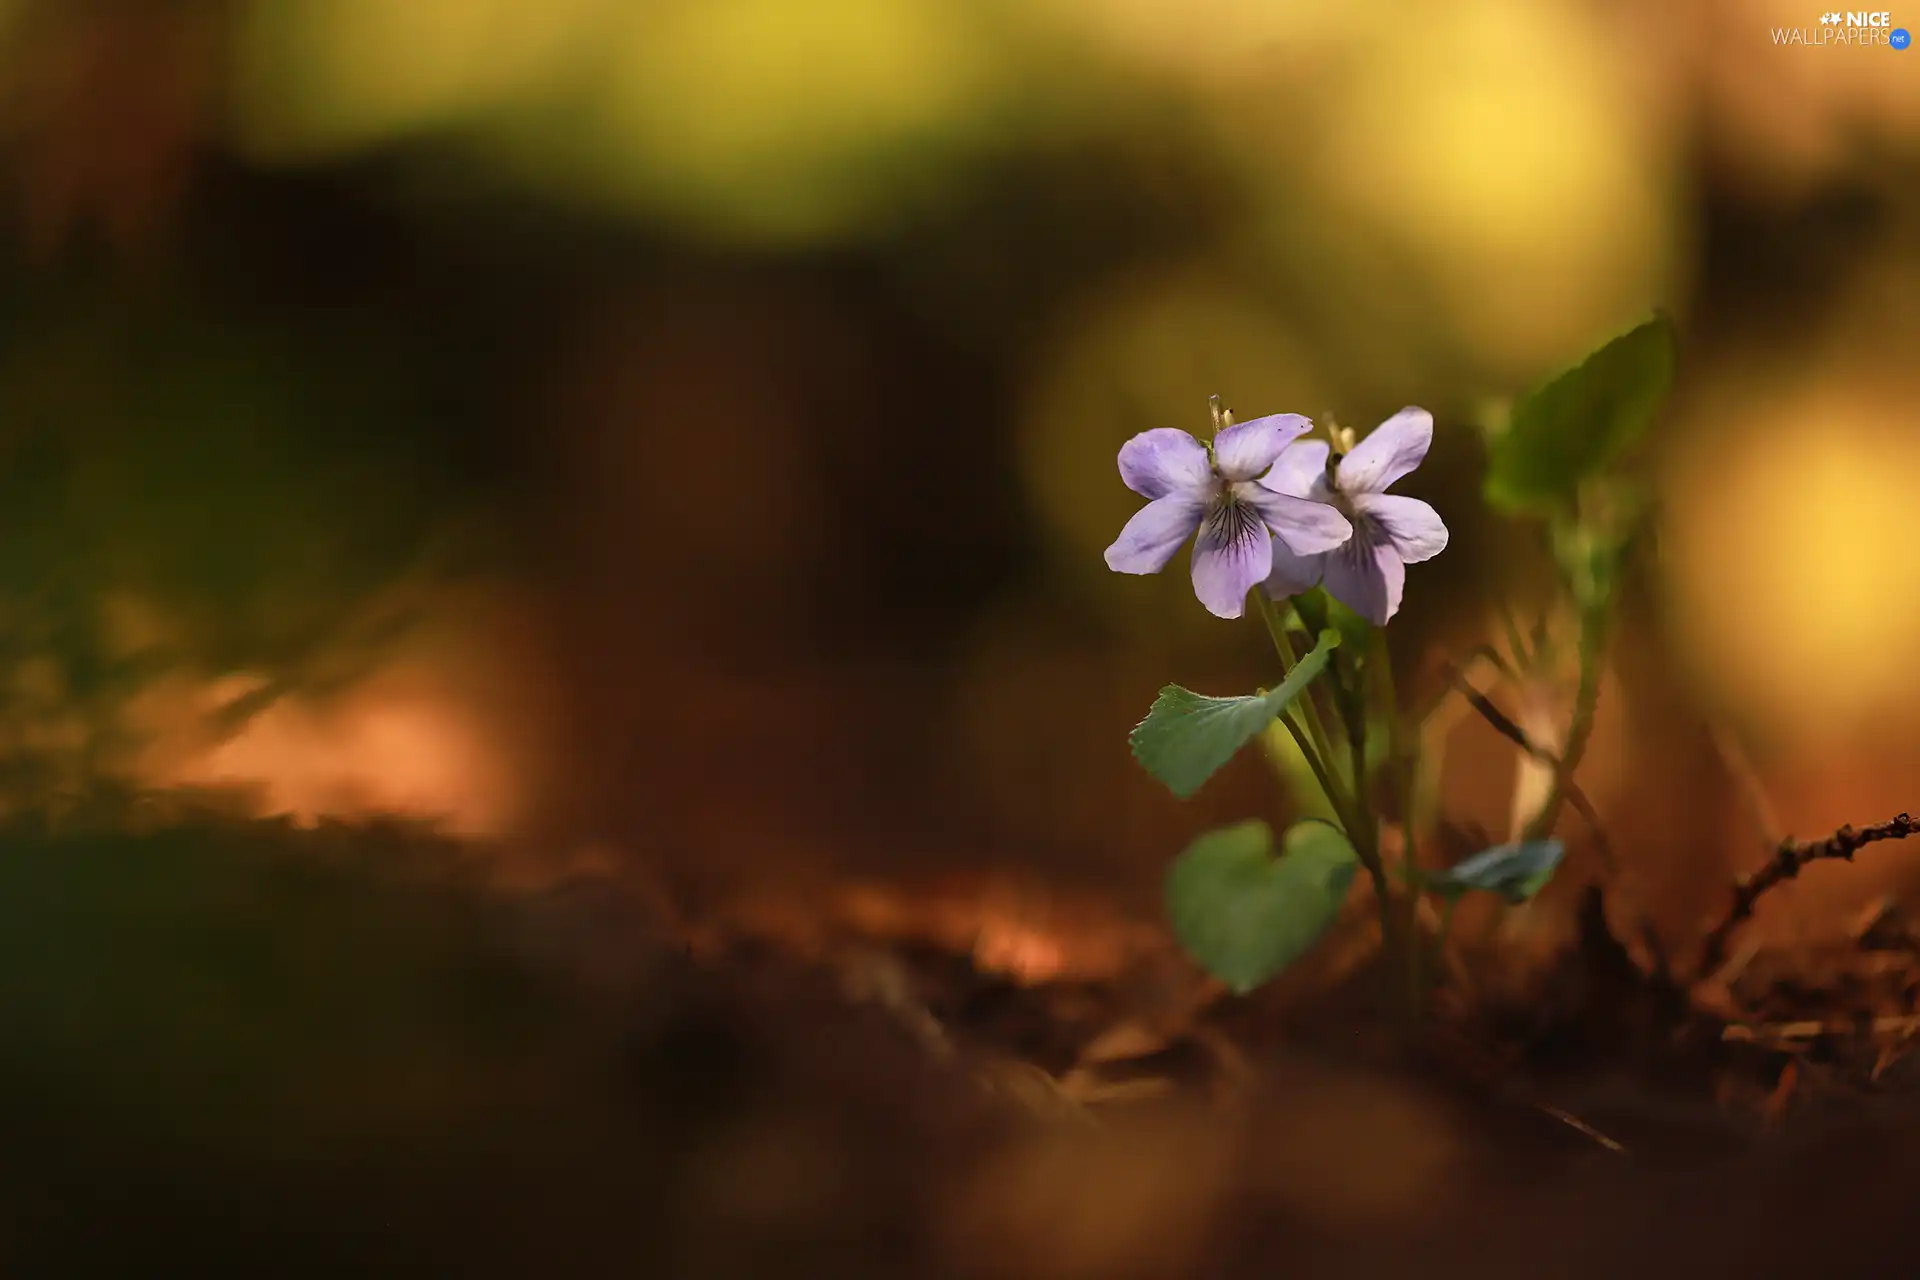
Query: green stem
{"type": "Point", "coordinates": [1399, 922]}
{"type": "Point", "coordinates": [1289, 658]}
{"type": "Point", "coordinates": [1364, 829]}
{"type": "Point", "coordinates": [1425, 771]}
{"type": "Point", "coordinates": [1416, 969]}
{"type": "Point", "coordinates": [1313, 740]}
{"type": "Point", "coordinates": [1516, 642]}
{"type": "Point", "coordinates": [1399, 938]}
{"type": "Point", "coordinates": [1319, 770]}
{"type": "Point", "coordinates": [1593, 635]}
{"type": "Point", "coordinates": [1402, 750]}
{"type": "Point", "coordinates": [1356, 718]}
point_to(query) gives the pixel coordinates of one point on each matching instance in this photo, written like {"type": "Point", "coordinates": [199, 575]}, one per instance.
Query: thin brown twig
{"type": "Point", "coordinates": [1580, 1126]}
{"type": "Point", "coordinates": [1586, 701]}
{"type": "Point", "coordinates": [1788, 858]}
{"type": "Point", "coordinates": [1506, 728]}
{"type": "Point", "coordinates": [1493, 1073]}
{"type": "Point", "coordinates": [1456, 673]}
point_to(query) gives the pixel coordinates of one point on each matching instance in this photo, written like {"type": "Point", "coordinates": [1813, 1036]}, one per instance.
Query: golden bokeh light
{"type": "Point", "coordinates": [748, 118]}
{"type": "Point", "coordinates": [1503, 157]}
{"type": "Point", "coordinates": [1790, 522]}
{"type": "Point", "coordinates": [316, 77]}
{"type": "Point", "coordinates": [785, 119]}
{"type": "Point", "coordinates": [1205, 40]}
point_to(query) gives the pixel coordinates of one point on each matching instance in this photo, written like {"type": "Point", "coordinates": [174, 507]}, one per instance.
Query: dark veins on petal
{"type": "Point", "coordinates": [1367, 538]}
{"type": "Point", "coordinates": [1231, 522]}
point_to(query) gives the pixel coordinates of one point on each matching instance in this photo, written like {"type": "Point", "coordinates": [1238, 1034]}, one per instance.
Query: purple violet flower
{"type": "Point", "coordinates": [1213, 491]}
{"type": "Point", "coordinates": [1368, 572]}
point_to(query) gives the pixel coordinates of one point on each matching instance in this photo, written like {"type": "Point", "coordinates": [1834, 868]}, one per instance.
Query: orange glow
{"type": "Point", "coordinates": [421, 736]}
{"type": "Point", "coordinates": [1010, 927]}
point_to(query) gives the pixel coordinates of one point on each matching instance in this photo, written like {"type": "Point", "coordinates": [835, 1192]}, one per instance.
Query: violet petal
{"type": "Point", "coordinates": [1395, 448]}
{"type": "Point", "coordinates": [1293, 574]}
{"type": "Point", "coordinates": [1156, 531]}
{"type": "Point", "coordinates": [1414, 528]}
{"type": "Point", "coordinates": [1304, 525]}
{"type": "Point", "coordinates": [1232, 554]}
{"type": "Point", "coordinates": [1246, 449]}
{"type": "Point", "coordinates": [1301, 470]}
{"type": "Point", "coordinates": [1162, 461]}
{"type": "Point", "coordinates": [1366, 575]}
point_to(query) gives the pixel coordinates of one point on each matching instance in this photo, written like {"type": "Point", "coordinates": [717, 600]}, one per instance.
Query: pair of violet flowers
{"type": "Point", "coordinates": [1267, 509]}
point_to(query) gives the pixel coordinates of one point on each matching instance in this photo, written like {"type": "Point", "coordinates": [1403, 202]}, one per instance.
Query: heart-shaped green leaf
{"type": "Point", "coordinates": [1245, 915]}
{"type": "Point", "coordinates": [1514, 871]}
{"type": "Point", "coordinates": [1580, 423]}
{"type": "Point", "coordinates": [1187, 736]}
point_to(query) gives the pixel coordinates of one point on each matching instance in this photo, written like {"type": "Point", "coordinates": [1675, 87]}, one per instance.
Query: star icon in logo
{"type": "Point", "coordinates": [1829, 19]}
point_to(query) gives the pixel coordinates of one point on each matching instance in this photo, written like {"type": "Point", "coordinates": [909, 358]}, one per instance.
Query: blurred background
{"type": "Point", "coordinates": [687, 429]}
{"type": "Point", "coordinates": [680, 435]}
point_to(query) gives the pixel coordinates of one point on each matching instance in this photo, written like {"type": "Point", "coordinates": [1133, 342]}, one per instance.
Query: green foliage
{"type": "Point", "coordinates": [193, 458]}
{"type": "Point", "coordinates": [1514, 871]}
{"type": "Point", "coordinates": [1245, 915]}
{"type": "Point", "coordinates": [1581, 422]}
{"type": "Point", "coordinates": [196, 487]}
{"type": "Point", "coordinates": [1187, 736]}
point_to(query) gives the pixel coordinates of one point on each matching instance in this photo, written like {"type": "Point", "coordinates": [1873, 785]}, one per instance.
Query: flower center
{"type": "Point", "coordinates": [1336, 499]}
{"type": "Point", "coordinates": [1229, 517]}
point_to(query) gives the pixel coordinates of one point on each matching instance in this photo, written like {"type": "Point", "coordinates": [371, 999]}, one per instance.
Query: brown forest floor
{"type": "Point", "coordinates": [342, 1065]}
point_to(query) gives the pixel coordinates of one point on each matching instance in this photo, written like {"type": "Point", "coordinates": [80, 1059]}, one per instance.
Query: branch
{"type": "Point", "coordinates": [1513, 733]}
{"type": "Point", "coordinates": [1787, 860]}
{"type": "Point", "coordinates": [1586, 701]}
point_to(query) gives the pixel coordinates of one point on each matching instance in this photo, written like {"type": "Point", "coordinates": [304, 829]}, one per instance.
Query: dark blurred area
{"type": "Point", "coordinates": [681, 436]}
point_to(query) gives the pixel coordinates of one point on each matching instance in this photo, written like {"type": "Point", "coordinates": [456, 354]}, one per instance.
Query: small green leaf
{"type": "Point", "coordinates": [1187, 736]}
{"type": "Point", "coordinates": [1581, 422]}
{"type": "Point", "coordinates": [1245, 915]}
{"type": "Point", "coordinates": [1514, 871]}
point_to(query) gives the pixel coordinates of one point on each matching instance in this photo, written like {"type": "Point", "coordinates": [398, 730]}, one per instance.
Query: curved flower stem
{"type": "Point", "coordinates": [1446, 921]}
{"type": "Point", "coordinates": [1289, 657]}
{"type": "Point", "coordinates": [1516, 641]}
{"type": "Point", "coordinates": [1399, 939]}
{"type": "Point", "coordinates": [1400, 768]}
{"type": "Point", "coordinates": [1312, 739]}
{"type": "Point", "coordinates": [1593, 636]}
{"type": "Point", "coordinates": [1399, 926]}
{"type": "Point", "coordinates": [1402, 752]}
{"type": "Point", "coordinates": [1320, 774]}
{"type": "Point", "coordinates": [1367, 841]}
